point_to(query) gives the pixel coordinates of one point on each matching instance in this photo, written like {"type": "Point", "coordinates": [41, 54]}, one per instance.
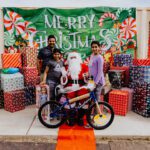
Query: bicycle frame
{"type": "Point", "coordinates": [92, 97]}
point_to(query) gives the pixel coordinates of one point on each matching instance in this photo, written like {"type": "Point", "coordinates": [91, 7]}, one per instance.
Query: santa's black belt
{"type": "Point", "coordinates": [76, 82]}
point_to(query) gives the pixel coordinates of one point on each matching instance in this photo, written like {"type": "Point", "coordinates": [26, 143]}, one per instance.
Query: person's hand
{"type": "Point", "coordinates": [42, 83]}
{"type": "Point", "coordinates": [86, 74]}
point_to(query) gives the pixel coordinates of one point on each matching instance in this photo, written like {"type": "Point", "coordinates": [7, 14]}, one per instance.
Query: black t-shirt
{"type": "Point", "coordinates": [54, 72]}
{"type": "Point", "coordinates": [45, 54]}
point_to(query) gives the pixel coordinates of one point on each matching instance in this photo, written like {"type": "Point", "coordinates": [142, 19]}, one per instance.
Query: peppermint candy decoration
{"type": "Point", "coordinates": [14, 23]}
{"type": "Point", "coordinates": [87, 60]}
{"type": "Point", "coordinates": [128, 28]}
{"type": "Point", "coordinates": [120, 10]}
{"type": "Point", "coordinates": [106, 15]}
{"type": "Point", "coordinates": [29, 29]}
{"type": "Point", "coordinates": [9, 39]}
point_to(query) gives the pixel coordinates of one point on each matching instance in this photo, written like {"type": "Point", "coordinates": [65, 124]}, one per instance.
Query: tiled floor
{"type": "Point", "coordinates": [24, 123]}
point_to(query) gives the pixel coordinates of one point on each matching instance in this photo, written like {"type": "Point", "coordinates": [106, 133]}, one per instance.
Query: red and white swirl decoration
{"type": "Point", "coordinates": [14, 23]}
{"type": "Point", "coordinates": [29, 29]}
{"type": "Point", "coordinates": [128, 28]}
{"type": "Point", "coordinates": [106, 15]}
{"type": "Point", "coordinates": [87, 60]}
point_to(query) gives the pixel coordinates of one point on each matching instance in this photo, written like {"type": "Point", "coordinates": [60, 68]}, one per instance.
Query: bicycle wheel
{"type": "Point", "coordinates": [102, 120]}
{"type": "Point", "coordinates": [51, 115]}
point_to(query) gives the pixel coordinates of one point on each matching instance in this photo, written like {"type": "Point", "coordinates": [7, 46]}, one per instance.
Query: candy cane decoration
{"type": "Point", "coordinates": [106, 15]}
{"type": "Point", "coordinates": [132, 40]}
{"type": "Point", "coordinates": [14, 23]}
{"type": "Point", "coordinates": [120, 10]}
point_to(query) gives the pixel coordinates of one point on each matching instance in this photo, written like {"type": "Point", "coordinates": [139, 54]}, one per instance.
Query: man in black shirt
{"type": "Point", "coordinates": [45, 54]}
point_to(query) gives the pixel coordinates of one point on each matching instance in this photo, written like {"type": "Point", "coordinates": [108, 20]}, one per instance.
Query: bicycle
{"type": "Point", "coordinates": [99, 115]}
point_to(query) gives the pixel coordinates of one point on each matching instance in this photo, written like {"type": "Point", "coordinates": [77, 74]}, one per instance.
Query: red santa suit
{"type": "Point", "coordinates": [76, 71]}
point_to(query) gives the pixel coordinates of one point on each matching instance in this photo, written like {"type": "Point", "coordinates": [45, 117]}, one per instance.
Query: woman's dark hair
{"type": "Point", "coordinates": [56, 50]}
{"type": "Point", "coordinates": [51, 36]}
{"type": "Point", "coordinates": [95, 42]}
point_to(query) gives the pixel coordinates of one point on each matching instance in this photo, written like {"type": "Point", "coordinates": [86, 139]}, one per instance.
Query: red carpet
{"type": "Point", "coordinates": [75, 138]}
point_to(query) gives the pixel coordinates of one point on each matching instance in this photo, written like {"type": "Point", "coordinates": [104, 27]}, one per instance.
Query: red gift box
{"type": "Point", "coordinates": [14, 100]}
{"type": "Point", "coordinates": [29, 56]}
{"type": "Point", "coordinates": [118, 99]}
{"type": "Point", "coordinates": [141, 62]}
{"type": "Point", "coordinates": [126, 68]}
{"type": "Point", "coordinates": [30, 76]}
{"type": "Point", "coordinates": [11, 60]}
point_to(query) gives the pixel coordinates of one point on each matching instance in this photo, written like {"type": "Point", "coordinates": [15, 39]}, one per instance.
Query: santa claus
{"type": "Point", "coordinates": [74, 79]}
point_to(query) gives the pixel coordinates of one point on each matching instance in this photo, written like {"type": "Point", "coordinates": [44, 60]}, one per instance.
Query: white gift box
{"type": "Point", "coordinates": [12, 82]}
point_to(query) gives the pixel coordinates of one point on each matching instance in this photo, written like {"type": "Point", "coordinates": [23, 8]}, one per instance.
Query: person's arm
{"type": "Point", "coordinates": [38, 65]}
{"type": "Point", "coordinates": [45, 75]}
{"type": "Point", "coordinates": [100, 69]}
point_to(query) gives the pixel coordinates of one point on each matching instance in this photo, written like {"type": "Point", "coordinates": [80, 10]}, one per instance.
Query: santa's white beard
{"type": "Point", "coordinates": [74, 69]}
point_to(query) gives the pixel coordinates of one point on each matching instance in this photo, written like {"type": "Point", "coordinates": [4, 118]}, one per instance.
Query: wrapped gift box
{"type": "Point", "coordinates": [140, 73]}
{"type": "Point", "coordinates": [29, 56]}
{"type": "Point", "coordinates": [1, 99]}
{"type": "Point", "coordinates": [11, 60]}
{"type": "Point", "coordinates": [130, 91]}
{"type": "Point", "coordinates": [118, 99]}
{"type": "Point", "coordinates": [30, 97]}
{"type": "Point", "coordinates": [14, 100]}
{"type": "Point", "coordinates": [122, 59]}
{"type": "Point", "coordinates": [126, 69]}
{"type": "Point", "coordinates": [12, 82]}
{"type": "Point", "coordinates": [30, 76]}
{"type": "Point", "coordinates": [141, 98]}
{"type": "Point", "coordinates": [141, 62]}
{"type": "Point", "coordinates": [117, 78]}
{"type": "Point", "coordinates": [38, 80]}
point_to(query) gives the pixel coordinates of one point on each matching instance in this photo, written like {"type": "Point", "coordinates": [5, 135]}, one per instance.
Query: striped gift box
{"type": "Point", "coordinates": [11, 60]}
{"type": "Point", "coordinates": [29, 57]}
{"type": "Point", "coordinates": [141, 62]}
{"type": "Point", "coordinates": [118, 99]}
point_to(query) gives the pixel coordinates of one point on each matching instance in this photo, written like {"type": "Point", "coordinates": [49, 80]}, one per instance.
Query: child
{"type": "Point", "coordinates": [96, 68]}
{"type": "Point", "coordinates": [43, 95]}
{"type": "Point", "coordinates": [53, 72]}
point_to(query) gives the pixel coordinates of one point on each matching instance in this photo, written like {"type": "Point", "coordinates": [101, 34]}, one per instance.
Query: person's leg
{"type": "Point", "coordinates": [51, 85]}
{"type": "Point", "coordinates": [98, 90]}
{"type": "Point", "coordinates": [81, 113]}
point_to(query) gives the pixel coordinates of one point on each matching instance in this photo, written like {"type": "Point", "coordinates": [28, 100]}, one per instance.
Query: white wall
{"type": "Point", "coordinates": [74, 3]}
{"type": "Point", "coordinates": [1, 35]}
